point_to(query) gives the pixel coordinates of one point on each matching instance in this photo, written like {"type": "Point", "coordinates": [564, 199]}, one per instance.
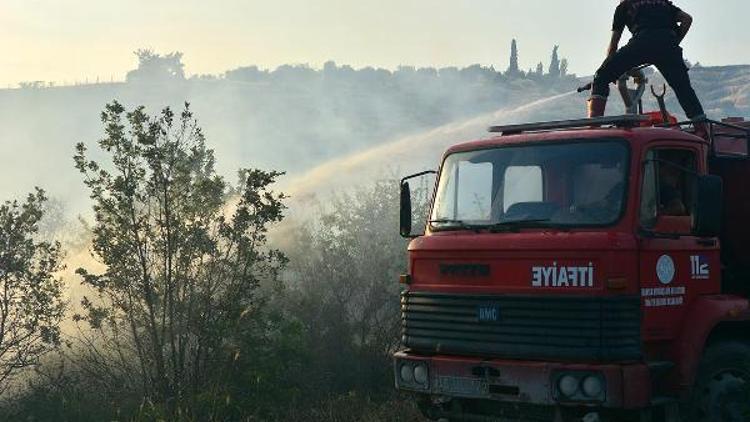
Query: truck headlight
{"type": "Point", "coordinates": [592, 386]}
{"type": "Point", "coordinates": [568, 385]}
{"type": "Point", "coordinates": [413, 375]}
{"type": "Point", "coordinates": [421, 374]}
{"type": "Point", "coordinates": [579, 386]}
{"type": "Point", "coordinates": [407, 373]}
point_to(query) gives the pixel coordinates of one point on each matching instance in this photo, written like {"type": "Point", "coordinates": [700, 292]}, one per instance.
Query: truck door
{"type": "Point", "coordinates": [675, 265]}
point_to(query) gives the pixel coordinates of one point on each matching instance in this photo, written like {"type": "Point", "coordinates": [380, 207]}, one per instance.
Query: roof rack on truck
{"type": "Point", "coordinates": [627, 120]}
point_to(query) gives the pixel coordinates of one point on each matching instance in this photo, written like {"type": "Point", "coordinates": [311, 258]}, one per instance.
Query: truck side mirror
{"type": "Point", "coordinates": [708, 209]}
{"type": "Point", "coordinates": [405, 212]}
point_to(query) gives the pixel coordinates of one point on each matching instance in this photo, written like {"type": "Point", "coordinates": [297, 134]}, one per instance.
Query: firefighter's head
{"type": "Point", "coordinates": [672, 167]}
{"type": "Point", "coordinates": [669, 174]}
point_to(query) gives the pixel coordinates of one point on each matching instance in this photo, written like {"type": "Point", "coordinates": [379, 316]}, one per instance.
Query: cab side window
{"type": "Point", "coordinates": [667, 191]}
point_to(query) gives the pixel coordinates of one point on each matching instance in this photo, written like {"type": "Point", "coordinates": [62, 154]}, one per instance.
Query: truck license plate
{"type": "Point", "coordinates": [468, 387]}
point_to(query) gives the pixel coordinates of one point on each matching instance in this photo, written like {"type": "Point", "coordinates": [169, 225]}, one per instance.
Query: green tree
{"type": "Point", "coordinates": [31, 300]}
{"type": "Point", "coordinates": [184, 253]}
{"type": "Point", "coordinates": [154, 67]}
{"type": "Point", "coordinates": [564, 68]}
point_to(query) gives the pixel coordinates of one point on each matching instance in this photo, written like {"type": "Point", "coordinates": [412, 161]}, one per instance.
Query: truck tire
{"type": "Point", "coordinates": [722, 386]}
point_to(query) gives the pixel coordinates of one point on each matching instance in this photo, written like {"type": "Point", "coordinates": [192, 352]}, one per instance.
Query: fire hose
{"type": "Point", "coordinates": [632, 72]}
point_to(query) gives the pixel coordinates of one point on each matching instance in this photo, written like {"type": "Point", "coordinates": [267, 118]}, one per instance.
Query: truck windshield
{"type": "Point", "coordinates": [575, 184]}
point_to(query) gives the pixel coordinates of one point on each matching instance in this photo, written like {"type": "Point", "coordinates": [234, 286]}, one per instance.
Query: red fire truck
{"type": "Point", "coordinates": [596, 268]}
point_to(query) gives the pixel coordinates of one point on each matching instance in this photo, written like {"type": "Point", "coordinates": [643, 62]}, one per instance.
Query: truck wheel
{"type": "Point", "coordinates": [722, 387]}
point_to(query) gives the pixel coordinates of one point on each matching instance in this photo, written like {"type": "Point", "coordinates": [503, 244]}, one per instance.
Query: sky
{"type": "Point", "coordinates": [68, 41]}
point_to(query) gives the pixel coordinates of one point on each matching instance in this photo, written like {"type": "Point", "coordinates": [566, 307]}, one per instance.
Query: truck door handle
{"type": "Point", "coordinates": [708, 242]}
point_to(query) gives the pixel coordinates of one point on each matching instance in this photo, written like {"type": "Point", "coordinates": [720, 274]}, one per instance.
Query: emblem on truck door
{"type": "Point", "coordinates": [665, 269]}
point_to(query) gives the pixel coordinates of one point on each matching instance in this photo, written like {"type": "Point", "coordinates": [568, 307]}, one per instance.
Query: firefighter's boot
{"type": "Point", "coordinates": [597, 105]}
{"type": "Point", "coordinates": [701, 128]}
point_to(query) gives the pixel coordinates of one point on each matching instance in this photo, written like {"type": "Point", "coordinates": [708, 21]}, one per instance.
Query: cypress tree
{"type": "Point", "coordinates": [554, 65]}
{"type": "Point", "coordinates": [513, 69]}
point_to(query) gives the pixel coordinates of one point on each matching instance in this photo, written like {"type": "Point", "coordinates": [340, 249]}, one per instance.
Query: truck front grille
{"type": "Point", "coordinates": [528, 327]}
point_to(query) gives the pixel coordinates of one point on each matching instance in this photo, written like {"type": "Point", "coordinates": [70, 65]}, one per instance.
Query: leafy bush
{"type": "Point", "coordinates": [190, 321]}
{"type": "Point", "coordinates": [31, 298]}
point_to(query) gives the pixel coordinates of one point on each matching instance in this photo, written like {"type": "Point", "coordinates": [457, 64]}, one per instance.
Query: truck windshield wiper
{"type": "Point", "coordinates": [512, 225]}
{"type": "Point", "coordinates": [446, 221]}
{"type": "Point", "coordinates": [448, 224]}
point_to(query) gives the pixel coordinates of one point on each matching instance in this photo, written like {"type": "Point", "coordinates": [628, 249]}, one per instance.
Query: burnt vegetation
{"type": "Point", "coordinates": [189, 312]}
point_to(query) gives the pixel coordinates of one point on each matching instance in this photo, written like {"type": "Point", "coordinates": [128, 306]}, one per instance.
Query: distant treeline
{"type": "Point", "coordinates": [169, 68]}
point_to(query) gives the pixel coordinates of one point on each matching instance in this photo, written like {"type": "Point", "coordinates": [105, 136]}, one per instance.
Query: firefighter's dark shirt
{"type": "Point", "coordinates": [639, 15]}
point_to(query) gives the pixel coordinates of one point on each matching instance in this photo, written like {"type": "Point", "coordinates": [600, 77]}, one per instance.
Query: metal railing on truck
{"type": "Point", "coordinates": [729, 139]}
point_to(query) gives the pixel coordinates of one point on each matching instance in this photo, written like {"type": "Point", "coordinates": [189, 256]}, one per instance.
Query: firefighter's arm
{"type": "Point", "coordinates": [614, 43]}
{"type": "Point", "coordinates": [685, 21]}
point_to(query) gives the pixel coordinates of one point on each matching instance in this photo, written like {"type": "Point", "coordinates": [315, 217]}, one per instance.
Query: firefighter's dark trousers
{"type": "Point", "coordinates": [660, 48]}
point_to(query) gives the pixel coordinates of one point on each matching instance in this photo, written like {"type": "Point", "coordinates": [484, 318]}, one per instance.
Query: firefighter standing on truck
{"type": "Point", "coordinates": [658, 28]}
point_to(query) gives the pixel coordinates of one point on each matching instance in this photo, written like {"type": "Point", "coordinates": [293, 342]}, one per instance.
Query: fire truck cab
{"type": "Point", "coordinates": [588, 268]}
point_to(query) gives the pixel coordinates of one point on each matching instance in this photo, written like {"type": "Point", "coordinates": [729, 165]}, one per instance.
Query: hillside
{"type": "Point", "coordinates": [296, 118]}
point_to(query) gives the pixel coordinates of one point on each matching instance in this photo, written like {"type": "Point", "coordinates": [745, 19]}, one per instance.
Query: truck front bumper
{"type": "Point", "coordinates": [614, 386]}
